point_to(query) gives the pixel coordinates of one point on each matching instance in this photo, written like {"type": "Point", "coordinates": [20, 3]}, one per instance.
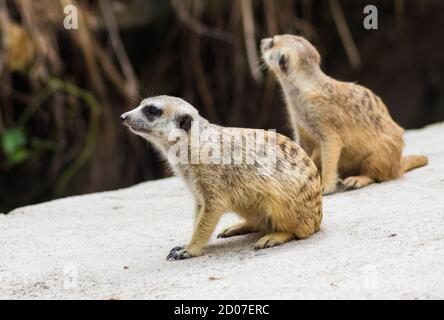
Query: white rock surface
{"type": "Point", "coordinates": [384, 241]}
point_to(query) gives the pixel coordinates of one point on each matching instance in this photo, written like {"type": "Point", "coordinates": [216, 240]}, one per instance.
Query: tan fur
{"type": "Point", "coordinates": [283, 205]}
{"type": "Point", "coordinates": [344, 127]}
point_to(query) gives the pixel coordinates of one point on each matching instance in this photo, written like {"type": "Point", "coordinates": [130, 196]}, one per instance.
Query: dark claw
{"type": "Point", "coordinates": [174, 254]}
{"type": "Point", "coordinates": [177, 248]}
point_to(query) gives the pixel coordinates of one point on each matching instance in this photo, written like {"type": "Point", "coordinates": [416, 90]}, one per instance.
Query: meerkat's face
{"type": "Point", "coordinates": [285, 54]}
{"type": "Point", "coordinates": [156, 117]}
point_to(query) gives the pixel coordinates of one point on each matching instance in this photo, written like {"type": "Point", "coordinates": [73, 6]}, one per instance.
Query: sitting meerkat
{"type": "Point", "coordinates": [284, 202]}
{"type": "Point", "coordinates": [344, 127]}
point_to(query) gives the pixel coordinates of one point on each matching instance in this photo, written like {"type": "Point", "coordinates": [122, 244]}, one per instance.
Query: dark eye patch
{"type": "Point", "coordinates": [151, 112]}
{"type": "Point", "coordinates": [184, 122]}
{"type": "Point", "coordinates": [283, 63]}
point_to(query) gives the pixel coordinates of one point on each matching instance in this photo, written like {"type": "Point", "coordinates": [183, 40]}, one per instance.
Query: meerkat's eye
{"type": "Point", "coordinates": [151, 111]}
{"type": "Point", "coordinates": [283, 63]}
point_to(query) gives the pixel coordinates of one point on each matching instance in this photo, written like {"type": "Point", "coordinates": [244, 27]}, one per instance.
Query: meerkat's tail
{"type": "Point", "coordinates": [412, 162]}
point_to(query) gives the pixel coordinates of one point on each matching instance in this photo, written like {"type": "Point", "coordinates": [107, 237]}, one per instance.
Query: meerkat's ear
{"type": "Point", "coordinates": [184, 122]}
{"type": "Point", "coordinates": [317, 57]}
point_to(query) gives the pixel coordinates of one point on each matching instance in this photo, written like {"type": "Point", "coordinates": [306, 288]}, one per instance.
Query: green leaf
{"type": "Point", "coordinates": [18, 157]}
{"type": "Point", "coordinates": [13, 144]}
{"type": "Point", "coordinates": [12, 141]}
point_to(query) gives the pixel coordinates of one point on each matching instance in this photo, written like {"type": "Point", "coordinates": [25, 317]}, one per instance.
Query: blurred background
{"type": "Point", "coordinates": [62, 91]}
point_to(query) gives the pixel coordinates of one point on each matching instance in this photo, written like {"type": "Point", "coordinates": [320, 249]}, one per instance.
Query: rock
{"type": "Point", "coordinates": [382, 242]}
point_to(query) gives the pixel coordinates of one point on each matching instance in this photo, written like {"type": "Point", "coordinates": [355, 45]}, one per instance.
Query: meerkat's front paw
{"type": "Point", "coordinates": [180, 253]}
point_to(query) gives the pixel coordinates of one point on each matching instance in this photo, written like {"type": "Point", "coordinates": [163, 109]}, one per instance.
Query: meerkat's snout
{"type": "Point", "coordinates": [125, 118]}
{"type": "Point", "coordinates": [134, 121]}
{"type": "Point", "coordinates": [266, 44]}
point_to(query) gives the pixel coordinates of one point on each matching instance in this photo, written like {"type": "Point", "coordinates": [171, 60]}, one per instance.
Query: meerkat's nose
{"type": "Point", "coordinates": [266, 43]}
{"type": "Point", "coordinates": [123, 118]}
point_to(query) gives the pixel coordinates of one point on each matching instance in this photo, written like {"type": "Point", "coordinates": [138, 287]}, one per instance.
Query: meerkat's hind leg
{"type": "Point", "coordinates": [357, 182]}
{"type": "Point", "coordinates": [237, 230]}
{"type": "Point", "coordinates": [377, 167]}
{"type": "Point", "coordinates": [274, 239]}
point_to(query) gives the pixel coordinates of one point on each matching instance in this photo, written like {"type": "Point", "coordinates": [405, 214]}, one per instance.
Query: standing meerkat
{"type": "Point", "coordinates": [344, 127]}
{"type": "Point", "coordinates": [283, 201]}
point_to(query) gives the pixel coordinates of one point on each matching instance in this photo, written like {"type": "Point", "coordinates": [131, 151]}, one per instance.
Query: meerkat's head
{"type": "Point", "coordinates": [289, 54]}
{"type": "Point", "coordinates": [156, 117]}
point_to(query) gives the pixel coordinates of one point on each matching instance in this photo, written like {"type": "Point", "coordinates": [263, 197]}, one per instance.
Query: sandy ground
{"type": "Point", "coordinates": [385, 241]}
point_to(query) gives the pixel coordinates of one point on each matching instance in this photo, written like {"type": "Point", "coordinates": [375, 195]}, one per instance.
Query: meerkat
{"type": "Point", "coordinates": [344, 127]}
{"type": "Point", "coordinates": [283, 201]}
